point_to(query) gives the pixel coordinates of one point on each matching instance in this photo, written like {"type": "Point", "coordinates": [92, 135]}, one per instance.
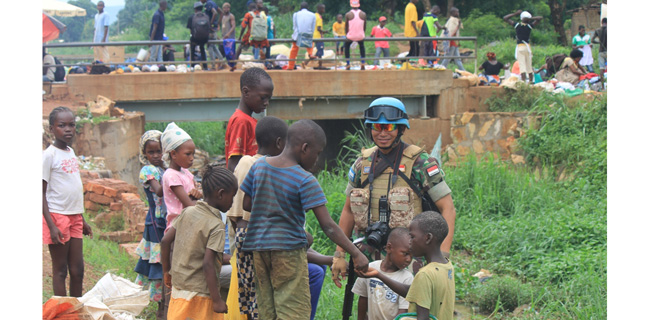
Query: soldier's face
{"type": "Point", "coordinates": [384, 138]}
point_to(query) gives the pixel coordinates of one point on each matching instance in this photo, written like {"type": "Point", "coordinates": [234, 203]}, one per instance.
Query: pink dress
{"type": "Point", "coordinates": [355, 27]}
{"type": "Point", "coordinates": [171, 178]}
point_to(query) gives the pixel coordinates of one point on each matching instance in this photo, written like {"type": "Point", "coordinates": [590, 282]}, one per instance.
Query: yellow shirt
{"type": "Point", "coordinates": [410, 15]}
{"type": "Point", "coordinates": [338, 28]}
{"type": "Point", "coordinates": [433, 288]}
{"type": "Point", "coordinates": [241, 170]}
{"type": "Point", "coordinates": [319, 23]}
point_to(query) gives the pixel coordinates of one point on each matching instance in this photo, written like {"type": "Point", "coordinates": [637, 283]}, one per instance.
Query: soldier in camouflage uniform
{"type": "Point", "coordinates": [380, 171]}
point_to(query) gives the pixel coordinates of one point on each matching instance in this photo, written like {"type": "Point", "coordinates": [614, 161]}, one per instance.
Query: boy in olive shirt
{"type": "Point", "coordinates": [433, 290]}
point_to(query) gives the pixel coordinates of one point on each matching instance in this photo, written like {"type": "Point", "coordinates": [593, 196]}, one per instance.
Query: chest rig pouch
{"type": "Point", "coordinates": [403, 201]}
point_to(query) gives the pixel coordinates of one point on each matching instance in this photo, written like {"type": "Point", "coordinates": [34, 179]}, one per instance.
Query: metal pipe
{"type": "Point", "coordinates": [182, 42]}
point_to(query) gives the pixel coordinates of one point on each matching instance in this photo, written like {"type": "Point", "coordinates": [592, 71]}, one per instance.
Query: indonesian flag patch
{"type": "Point", "coordinates": [432, 170]}
{"type": "Point", "coordinates": [402, 168]}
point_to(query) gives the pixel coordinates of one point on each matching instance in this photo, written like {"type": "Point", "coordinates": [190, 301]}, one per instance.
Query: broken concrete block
{"type": "Point", "coordinates": [117, 112]}
{"type": "Point", "coordinates": [103, 107]}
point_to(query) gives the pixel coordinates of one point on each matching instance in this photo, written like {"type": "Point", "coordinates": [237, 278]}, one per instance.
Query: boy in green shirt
{"type": "Point", "coordinates": [433, 290]}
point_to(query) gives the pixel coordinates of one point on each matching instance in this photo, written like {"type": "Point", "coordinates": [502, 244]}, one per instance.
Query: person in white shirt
{"type": "Point", "coordinates": [304, 24]}
{"type": "Point", "coordinates": [376, 300]}
{"type": "Point", "coordinates": [102, 21]}
{"type": "Point", "coordinates": [63, 223]}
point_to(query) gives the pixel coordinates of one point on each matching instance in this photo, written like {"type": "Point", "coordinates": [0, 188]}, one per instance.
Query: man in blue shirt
{"type": "Point", "coordinates": [215, 13]}
{"type": "Point", "coordinates": [102, 21]}
{"type": "Point", "coordinates": [156, 31]}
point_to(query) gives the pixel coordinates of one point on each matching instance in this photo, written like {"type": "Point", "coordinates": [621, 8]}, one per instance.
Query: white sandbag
{"type": "Point", "coordinates": [282, 49]}
{"type": "Point", "coordinates": [114, 297]}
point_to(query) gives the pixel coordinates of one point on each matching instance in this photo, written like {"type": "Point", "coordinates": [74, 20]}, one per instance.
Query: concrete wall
{"type": "Point", "coordinates": [202, 85]}
{"type": "Point", "coordinates": [117, 141]}
{"type": "Point", "coordinates": [461, 97]}
{"type": "Point", "coordinates": [424, 132]}
{"type": "Point", "coordinates": [588, 17]}
{"type": "Point", "coordinates": [489, 132]}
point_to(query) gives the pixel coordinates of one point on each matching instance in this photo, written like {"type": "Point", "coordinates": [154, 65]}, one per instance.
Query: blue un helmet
{"type": "Point", "coordinates": [386, 110]}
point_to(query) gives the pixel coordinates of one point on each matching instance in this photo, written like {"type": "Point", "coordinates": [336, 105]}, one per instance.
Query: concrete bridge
{"type": "Point", "coordinates": [335, 98]}
{"type": "Point", "coordinates": [213, 96]}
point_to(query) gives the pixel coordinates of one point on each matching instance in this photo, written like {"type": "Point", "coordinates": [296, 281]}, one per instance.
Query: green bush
{"type": "Point", "coordinates": [207, 136]}
{"type": "Point", "coordinates": [502, 292]}
{"type": "Point", "coordinates": [486, 27]}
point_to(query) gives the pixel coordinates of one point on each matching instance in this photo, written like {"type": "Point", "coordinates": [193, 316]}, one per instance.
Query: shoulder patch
{"type": "Point", "coordinates": [432, 169]}
{"type": "Point", "coordinates": [351, 174]}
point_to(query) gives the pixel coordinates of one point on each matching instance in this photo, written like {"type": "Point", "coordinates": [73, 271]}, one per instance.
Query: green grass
{"type": "Point", "coordinates": [542, 233]}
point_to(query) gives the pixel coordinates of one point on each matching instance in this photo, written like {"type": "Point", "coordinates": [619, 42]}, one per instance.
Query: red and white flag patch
{"type": "Point", "coordinates": [432, 170]}
{"type": "Point", "coordinates": [402, 168]}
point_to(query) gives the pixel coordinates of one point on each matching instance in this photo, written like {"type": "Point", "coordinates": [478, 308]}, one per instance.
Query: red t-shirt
{"type": "Point", "coordinates": [379, 32]}
{"type": "Point", "coordinates": [240, 135]}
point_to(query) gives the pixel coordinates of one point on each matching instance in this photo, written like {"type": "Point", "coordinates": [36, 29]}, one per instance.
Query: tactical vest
{"type": "Point", "coordinates": [403, 202]}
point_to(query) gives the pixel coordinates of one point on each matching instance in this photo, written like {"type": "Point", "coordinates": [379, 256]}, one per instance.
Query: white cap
{"type": "Point", "coordinates": [525, 14]}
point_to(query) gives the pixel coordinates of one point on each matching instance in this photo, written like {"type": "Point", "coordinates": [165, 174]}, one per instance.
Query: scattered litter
{"type": "Point", "coordinates": [483, 275]}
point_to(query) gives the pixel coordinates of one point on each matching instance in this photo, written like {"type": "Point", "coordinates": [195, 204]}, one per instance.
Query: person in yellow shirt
{"type": "Point", "coordinates": [338, 29]}
{"type": "Point", "coordinates": [410, 27]}
{"type": "Point", "coordinates": [319, 33]}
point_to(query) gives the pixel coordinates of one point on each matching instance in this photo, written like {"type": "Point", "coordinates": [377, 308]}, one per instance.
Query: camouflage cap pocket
{"type": "Point", "coordinates": [401, 201]}
{"type": "Point", "coordinates": [359, 202]}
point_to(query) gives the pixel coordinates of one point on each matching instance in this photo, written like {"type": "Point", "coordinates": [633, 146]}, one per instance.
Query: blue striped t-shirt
{"type": "Point", "coordinates": [280, 197]}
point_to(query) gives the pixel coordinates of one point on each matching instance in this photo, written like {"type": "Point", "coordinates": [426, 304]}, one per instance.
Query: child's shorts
{"type": "Point", "coordinates": [71, 226]}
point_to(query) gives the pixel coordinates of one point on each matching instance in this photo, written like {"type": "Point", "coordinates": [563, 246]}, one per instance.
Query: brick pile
{"type": "Point", "coordinates": [114, 197]}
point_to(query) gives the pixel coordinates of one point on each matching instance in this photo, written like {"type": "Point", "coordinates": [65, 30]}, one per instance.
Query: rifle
{"type": "Point", "coordinates": [348, 299]}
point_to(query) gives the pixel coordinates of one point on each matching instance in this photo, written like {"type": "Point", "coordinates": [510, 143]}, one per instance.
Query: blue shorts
{"type": "Point", "coordinates": [320, 48]}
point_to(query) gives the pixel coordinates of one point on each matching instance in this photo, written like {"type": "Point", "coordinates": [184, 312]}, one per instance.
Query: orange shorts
{"type": "Point", "coordinates": [71, 226]}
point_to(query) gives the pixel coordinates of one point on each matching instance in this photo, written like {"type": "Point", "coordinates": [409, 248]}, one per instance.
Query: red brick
{"type": "Point", "coordinates": [115, 206]}
{"type": "Point", "coordinates": [95, 187]}
{"type": "Point", "coordinates": [94, 174]}
{"type": "Point", "coordinates": [89, 205]}
{"type": "Point", "coordinates": [101, 199]}
{"type": "Point", "coordinates": [139, 227]}
{"type": "Point", "coordinates": [110, 192]}
{"type": "Point", "coordinates": [128, 196]}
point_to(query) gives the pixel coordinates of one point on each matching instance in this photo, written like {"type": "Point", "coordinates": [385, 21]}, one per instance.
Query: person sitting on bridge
{"type": "Point", "coordinates": [256, 91]}
{"type": "Point", "coordinates": [493, 67]}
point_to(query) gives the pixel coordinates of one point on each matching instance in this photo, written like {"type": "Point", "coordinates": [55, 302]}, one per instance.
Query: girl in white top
{"type": "Point", "coordinates": [63, 222]}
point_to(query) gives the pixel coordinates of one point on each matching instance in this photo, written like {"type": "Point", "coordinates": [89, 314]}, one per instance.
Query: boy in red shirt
{"type": "Point", "coordinates": [256, 91]}
{"type": "Point", "coordinates": [380, 31]}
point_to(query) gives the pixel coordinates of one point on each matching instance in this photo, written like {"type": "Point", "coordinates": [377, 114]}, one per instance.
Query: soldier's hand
{"type": "Point", "coordinates": [339, 268]}
{"type": "Point", "coordinates": [369, 274]}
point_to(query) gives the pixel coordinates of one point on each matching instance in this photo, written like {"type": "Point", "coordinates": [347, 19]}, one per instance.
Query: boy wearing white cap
{"type": "Point", "coordinates": [523, 54]}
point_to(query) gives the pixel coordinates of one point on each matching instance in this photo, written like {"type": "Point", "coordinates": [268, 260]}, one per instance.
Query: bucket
{"type": "Point", "coordinates": [142, 55]}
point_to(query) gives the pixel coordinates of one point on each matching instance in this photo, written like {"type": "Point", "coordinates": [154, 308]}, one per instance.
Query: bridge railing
{"type": "Point", "coordinates": [272, 41]}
